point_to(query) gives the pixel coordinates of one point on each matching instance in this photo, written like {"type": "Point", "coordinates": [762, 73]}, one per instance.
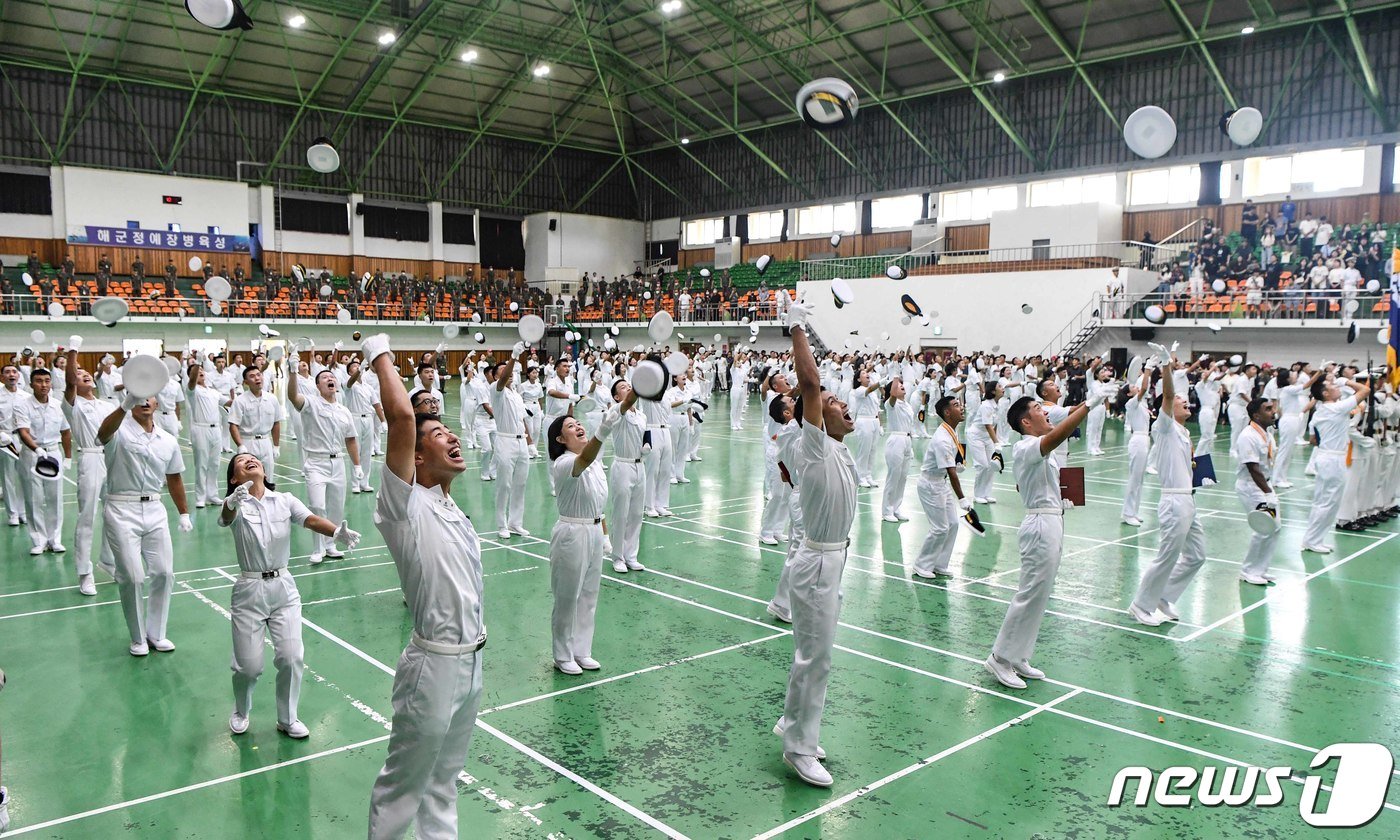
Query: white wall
{"type": "Point", "coordinates": [976, 311]}
{"type": "Point", "coordinates": [664, 229]}
{"type": "Point", "coordinates": [1275, 345]}
{"type": "Point", "coordinates": [107, 198]}
{"type": "Point", "coordinates": [1071, 224]}
{"type": "Point", "coordinates": [22, 224]}
{"type": "Point", "coordinates": [586, 243]}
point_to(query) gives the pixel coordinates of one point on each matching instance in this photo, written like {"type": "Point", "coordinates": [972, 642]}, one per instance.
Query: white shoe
{"type": "Point", "coordinates": [139, 649]}
{"type": "Point", "coordinates": [675, 481]}
{"type": "Point", "coordinates": [1133, 521]}
{"type": "Point", "coordinates": [784, 538]}
{"type": "Point", "coordinates": [237, 724]}
{"type": "Point", "coordinates": [14, 520]}
{"type": "Point", "coordinates": [162, 645]}
{"type": "Point", "coordinates": [767, 540]}
{"type": "Point", "coordinates": [200, 504]}
{"type": "Point", "coordinates": [808, 769]}
{"type": "Point", "coordinates": [889, 517]}
{"type": "Point", "coordinates": [1317, 549]}
{"type": "Point", "coordinates": [684, 480]}
{"type": "Point", "coordinates": [4, 809]}
{"type": "Point", "coordinates": [316, 559]}
{"type": "Point", "coordinates": [570, 668]}
{"type": "Point", "coordinates": [782, 615]}
{"type": "Point", "coordinates": [1257, 580]}
{"type": "Point", "coordinates": [520, 532]}
{"type": "Point", "coordinates": [926, 575]}
{"type": "Point", "coordinates": [36, 550]}
{"type": "Point", "coordinates": [981, 501]}
{"type": "Point", "coordinates": [503, 534]}
{"type": "Point", "coordinates": [1167, 611]}
{"type": "Point", "coordinates": [488, 478]}
{"type": "Point", "coordinates": [779, 729]}
{"type": "Point", "coordinates": [619, 567]}
{"type": "Point", "coordinates": [697, 458]}
{"type": "Point", "coordinates": [57, 548]}
{"type": "Point", "coordinates": [1028, 671]}
{"type": "Point", "coordinates": [990, 500]}
{"type": "Point", "coordinates": [295, 729]}
{"type": "Point", "coordinates": [874, 483]}
{"type": "Point", "coordinates": [1142, 617]}
{"type": "Point", "coordinates": [900, 516]}
{"type": "Point", "coordinates": [333, 554]}
{"type": "Point", "coordinates": [1151, 470]}
{"type": "Point", "coordinates": [634, 566]}
{"type": "Point", "coordinates": [1283, 485]}
{"type": "Point", "coordinates": [1310, 473]}
{"type": "Point", "coordinates": [553, 492]}
{"type": "Point", "coordinates": [1005, 674]}
{"type": "Point", "coordinates": [355, 490]}
{"type": "Point", "coordinates": [665, 512]}
{"type": "Point", "coordinates": [1270, 578]}
{"type": "Point", "coordinates": [865, 484]}
{"type": "Point", "coordinates": [650, 513]}
{"type": "Point", "coordinates": [86, 586]}
{"type": "Point", "coordinates": [587, 663]}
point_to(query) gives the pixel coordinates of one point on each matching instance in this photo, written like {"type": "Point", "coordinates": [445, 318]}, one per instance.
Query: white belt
{"type": "Point", "coordinates": [444, 649]}
{"type": "Point", "coordinates": [324, 454]}
{"type": "Point", "coordinates": [901, 434]}
{"type": "Point", "coordinates": [268, 575]}
{"type": "Point", "coordinates": [581, 520]}
{"type": "Point", "coordinates": [91, 450]}
{"type": "Point", "coordinates": [1331, 452]}
{"type": "Point", "coordinates": [254, 437]}
{"type": "Point", "coordinates": [504, 435]}
{"type": "Point", "coordinates": [826, 546]}
{"type": "Point", "coordinates": [167, 412]}
{"type": "Point", "coordinates": [662, 426]}
{"type": "Point", "coordinates": [207, 425]}
{"type": "Point", "coordinates": [1177, 491]}
{"type": "Point", "coordinates": [627, 460]}
{"type": "Point", "coordinates": [1140, 434]}
{"type": "Point", "coordinates": [133, 497]}
{"type": "Point", "coordinates": [1045, 511]}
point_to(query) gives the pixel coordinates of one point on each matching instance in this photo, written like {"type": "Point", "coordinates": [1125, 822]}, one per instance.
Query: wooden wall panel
{"type": "Point", "coordinates": [337, 264]}
{"type": "Point", "coordinates": [1339, 210]}
{"type": "Point", "coordinates": [85, 259]}
{"type": "Point", "coordinates": [49, 250]}
{"type": "Point", "coordinates": [696, 256]}
{"type": "Point", "coordinates": [967, 237]}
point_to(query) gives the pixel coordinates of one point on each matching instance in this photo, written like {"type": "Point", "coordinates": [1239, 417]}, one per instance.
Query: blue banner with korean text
{"type": "Point", "coordinates": [138, 238]}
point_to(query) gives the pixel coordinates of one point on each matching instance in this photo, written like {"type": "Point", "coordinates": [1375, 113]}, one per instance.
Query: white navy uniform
{"type": "Point", "coordinates": [1137, 425]}
{"type": "Point", "coordinates": [627, 487]}
{"type": "Point", "coordinates": [1208, 393]}
{"type": "Point", "coordinates": [865, 409]}
{"type": "Point", "coordinates": [1291, 423]}
{"type": "Point", "coordinates": [829, 507]}
{"type": "Point", "coordinates": [85, 416]}
{"type": "Point", "coordinates": [325, 427]}
{"type": "Point", "coordinates": [1181, 549]}
{"type": "Point", "coordinates": [169, 397]}
{"type": "Point", "coordinates": [939, 502]}
{"type": "Point", "coordinates": [437, 683]}
{"type": "Point", "coordinates": [899, 454]}
{"type": "Point", "coordinates": [576, 557]}
{"type": "Point", "coordinates": [1255, 446]}
{"type": "Point", "coordinates": [656, 461]}
{"type": "Point", "coordinates": [43, 498]}
{"type": "Point", "coordinates": [511, 457]}
{"type": "Point", "coordinates": [789, 439]}
{"type": "Point", "coordinates": [360, 400]}
{"type": "Point", "coordinates": [11, 471]}
{"type": "Point", "coordinates": [979, 440]}
{"type": "Point", "coordinates": [255, 416]}
{"type": "Point", "coordinates": [1040, 540]}
{"type": "Point", "coordinates": [205, 406]}
{"type": "Point", "coordinates": [1331, 421]}
{"type": "Point", "coordinates": [483, 426]}
{"type": "Point", "coordinates": [266, 600]}
{"type": "Point", "coordinates": [135, 524]}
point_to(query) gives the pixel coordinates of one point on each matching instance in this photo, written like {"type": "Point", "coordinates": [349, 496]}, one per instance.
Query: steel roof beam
{"type": "Point", "coordinates": [1041, 17]}
{"type": "Point", "coordinates": [1372, 88]}
{"type": "Point", "coordinates": [381, 65]}
{"type": "Point", "coordinates": [1194, 38]}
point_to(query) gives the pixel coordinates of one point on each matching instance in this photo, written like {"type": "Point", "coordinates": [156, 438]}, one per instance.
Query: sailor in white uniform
{"type": "Point", "coordinates": [626, 481]}
{"type": "Point", "coordinates": [1254, 456]}
{"type": "Point", "coordinates": [1332, 422]}
{"type": "Point", "coordinates": [206, 414]}
{"type": "Point", "coordinates": [43, 430]}
{"type": "Point", "coordinates": [255, 420]}
{"type": "Point", "coordinates": [327, 434]}
{"type": "Point", "coordinates": [85, 413]}
{"type": "Point", "coordinates": [940, 491]}
{"type": "Point", "coordinates": [512, 444]}
{"type": "Point", "coordinates": [1137, 423]}
{"type": "Point", "coordinates": [899, 449]}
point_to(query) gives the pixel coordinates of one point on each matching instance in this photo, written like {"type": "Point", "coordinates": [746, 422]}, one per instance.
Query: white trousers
{"type": "Point", "coordinates": [139, 536]}
{"type": "Point", "coordinates": [325, 494]}
{"type": "Point", "coordinates": [1094, 432]}
{"type": "Point", "coordinates": [738, 396]}
{"type": "Point", "coordinates": [862, 445]}
{"type": "Point", "coordinates": [899, 455]}
{"type": "Point", "coordinates": [1138, 446]}
{"type": "Point", "coordinates": [364, 433]}
{"type": "Point", "coordinates": [575, 573]}
{"type": "Point", "coordinates": [435, 701]}
{"type": "Point", "coordinates": [534, 423]}
{"type": "Point", "coordinates": [1261, 548]}
{"type": "Point", "coordinates": [941, 508]}
{"type": "Point", "coordinates": [1327, 497]}
{"type": "Point", "coordinates": [656, 464]}
{"type": "Point", "coordinates": [486, 441]}
{"type": "Point", "coordinates": [626, 492]}
{"type": "Point", "coordinates": [680, 445]}
{"type": "Point", "coordinates": [1290, 426]}
{"type": "Point", "coordinates": [980, 447]}
{"type": "Point", "coordinates": [512, 459]}
{"type": "Point", "coordinates": [261, 609]}
{"type": "Point", "coordinates": [1208, 418]}
{"type": "Point", "coordinates": [1181, 551]}
{"type": "Point", "coordinates": [1239, 421]}
{"type": "Point", "coordinates": [695, 438]}
{"type": "Point", "coordinates": [92, 475]}
{"type": "Point", "coordinates": [815, 589]}
{"type": "Point", "coordinates": [10, 477]}
{"type": "Point", "coordinates": [545, 424]}
{"type": "Point", "coordinates": [205, 442]}
{"type": "Point", "coordinates": [1359, 480]}
{"type": "Point", "coordinates": [1041, 540]}
{"type": "Point", "coordinates": [782, 596]}
{"type": "Point", "coordinates": [777, 510]}
{"type": "Point", "coordinates": [43, 499]}
{"type": "Point", "coordinates": [169, 422]}
{"type": "Point", "coordinates": [262, 450]}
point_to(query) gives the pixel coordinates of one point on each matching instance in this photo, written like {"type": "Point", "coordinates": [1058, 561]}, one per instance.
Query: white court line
{"type": "Point", "coordinates": [918, 765]}
{"type": "Point", "coordinates": [1265, 599]}
{"type": "Point", "coordinates": [130, 803]}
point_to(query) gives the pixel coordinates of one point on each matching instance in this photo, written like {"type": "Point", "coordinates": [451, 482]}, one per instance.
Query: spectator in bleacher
{"type": "Point", "coordinates": [1307, 232]}
{"type": "Point", "coordinates": [7, 290]}
{"type": "Point", "coordinates": [62, 284]}
{"type": "Point", "coordinates": [45, 291]}
{"type": "Point", "coordinates": [1323, 241]}
{"type": "Point", "coordinates": [208, 270]}
{"type": "Point", "coordinates": [1267, 241]}
{"type": "Point", "coordinates": [32, 264]}
{"type": "Point", "coordinates": [1289, 242]}
{"type": "Point", "coordinates": [1288, 209]}
{"type": "Point", "coordinates": [1249, 223]}
{"type": "Point", "coordinates": [102, 281]}
{"type": "Point", "coordinates": [1145, 250]}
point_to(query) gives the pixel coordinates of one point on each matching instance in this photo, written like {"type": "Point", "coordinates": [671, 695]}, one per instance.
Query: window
{"type": "Point", "coordinates": [980, 203]}
{"type": "Point", "coordinates": [1395, 168]}
{"type": "Point", "coordinates": [1090, 189]}
{"type": "Point", "coordinates": [703, 231]}
{"type": "Point", "coordinates": [1326, 170]}
{"type": "Point", "coordinates": [899, 211]}
{"type": "Point", "coordinates": [827, 218]}
{"type": "Point", "coordinates": [1174, 185]}
{"type": "Point", "coordinates": [767, 225]}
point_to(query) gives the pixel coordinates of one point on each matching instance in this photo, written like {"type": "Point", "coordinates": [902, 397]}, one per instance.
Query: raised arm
{"type": "Point", "coordinates": [809, 382]}
{"type": "Point", "coordinates": [70, 382]}
{"type": "Point", "coordinates": [293, 390]}
{"type": "Point", "coordinates": [398, 411]}
{"type": "Point", "coordinates": [595, 445]}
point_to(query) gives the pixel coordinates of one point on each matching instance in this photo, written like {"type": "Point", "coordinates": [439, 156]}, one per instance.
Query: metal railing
{"type": "Point", "coordinates": [1283, 306]}
{"type": "Point", "coordinates": [981, 260]}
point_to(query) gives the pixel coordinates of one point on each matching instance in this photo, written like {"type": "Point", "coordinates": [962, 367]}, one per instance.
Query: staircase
{"type": "Point", "coordinates": [1082, 338]}
{"type": "Point", "coordinates": [1080, 330]}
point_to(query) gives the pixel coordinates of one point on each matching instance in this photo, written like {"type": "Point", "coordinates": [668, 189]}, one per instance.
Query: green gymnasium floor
{"type": "Point", "coordinates": [673, 735]}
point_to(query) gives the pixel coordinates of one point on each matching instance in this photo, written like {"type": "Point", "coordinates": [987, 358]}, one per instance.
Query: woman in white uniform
{"type": "Point", "coordinates": [627, 480]}
{"type": "Point", "coordinates": [265, 598]}
{"type": "Point", "coordinates": [899, 449]}
{"type": "Point", "coordinates": [865, 407]}
{"type": "Point", "coordinates": [531, 393]}
{"type": "Point", "coordinates": [576, 543]}
{"type": "Point", "coordinates": [1292, 398]}
{"type": "Point", "coordinates": [1208, 394]}
{"type": "Point", "coordinates": [327, 434]}
{"type": "Point", "coordinates": [982, 440]}
{"type": "Point", "coordinates": [1102, 388]}
{"type": "Point", "coordinates": [677, 399]}
{"type": "Point", "coordinates": [205, 437]}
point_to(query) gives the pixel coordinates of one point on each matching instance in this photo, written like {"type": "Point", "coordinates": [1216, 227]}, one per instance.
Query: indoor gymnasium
{"type": "Point", "coordinates": [548, 419]}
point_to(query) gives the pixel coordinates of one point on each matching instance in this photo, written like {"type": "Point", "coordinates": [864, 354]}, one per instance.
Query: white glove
{"type": "Point", "coordinates": [574, 399]}
{"type": "Point", "coordinates": [75, 342]}
{"type": "Point", "coordinates": [798, 313]}
{"type": "Point", "coordinates": [608, 423]}
{"type": "Point", "coordinates": [518, 349]}
{"type": "Point", "coordinates": [1095, 400]}
{"type": "Point", "coordinates": [1366, 443]}
{"type": "Point", "coordinates": [1163, 355]}
{"type": "Point", "coordinates": [242, 449]}
{"type": "Point", "coordinates": [276, 452]}
{"type": "Point", "coordinates": [442, 345]}
{"type": "Point", "coordinates": [339, 345]}
{"type": "Point", "coordinates": [359, 473]}
{"type": "Point", "coordinates": [965, 503]}
{"type": "Point", "coordinates": [374, 347]}
{"type": "Point", "coordinates": [130, 401]}
{"type": "Point", "coordinates": [1271, 499]}
{"type": "Point", "coordinates": [346, 539]}
{"type": "Point", "coordinates": [186, 524]}
{"type": "Point", "coordinates": [239, 495]}
{"type": "Point", "coordinates": [40, 452]}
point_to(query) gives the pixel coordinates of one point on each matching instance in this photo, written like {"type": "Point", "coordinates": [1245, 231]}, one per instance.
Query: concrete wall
{"type": "Point", "coordinates": [586, 243]}
{"type": "Point", "coordinates": [1276, 345]}
{"type": "Point", "coordinates": [1073, 224]}
{"type": "Point", "coordinates": [106, 198]}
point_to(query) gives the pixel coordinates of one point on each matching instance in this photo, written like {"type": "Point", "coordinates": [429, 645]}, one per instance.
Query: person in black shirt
{"type": "Point", "coordinates": [1249, 223]}
{"type": "Point", "coordinates": [1146, 249]}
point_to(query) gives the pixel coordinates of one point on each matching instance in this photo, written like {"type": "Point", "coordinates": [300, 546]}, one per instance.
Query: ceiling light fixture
{"type": "Point", "coordinates": [998, 77]}
{"type": "Point", "coordinates": [469, 55]}
{"type": "Point", "coordinates": [296, 21]}
{"type": "Point", "coordinates": [670, 7]}
{"type": "Point", "coordinates": [541, 70]}
{"type": "Point", "coordinates": [1248, 30]}
{"type": "Point", "coordinates": [685, 141]}
{"type": "Point", "coordinates": [386, 38]}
